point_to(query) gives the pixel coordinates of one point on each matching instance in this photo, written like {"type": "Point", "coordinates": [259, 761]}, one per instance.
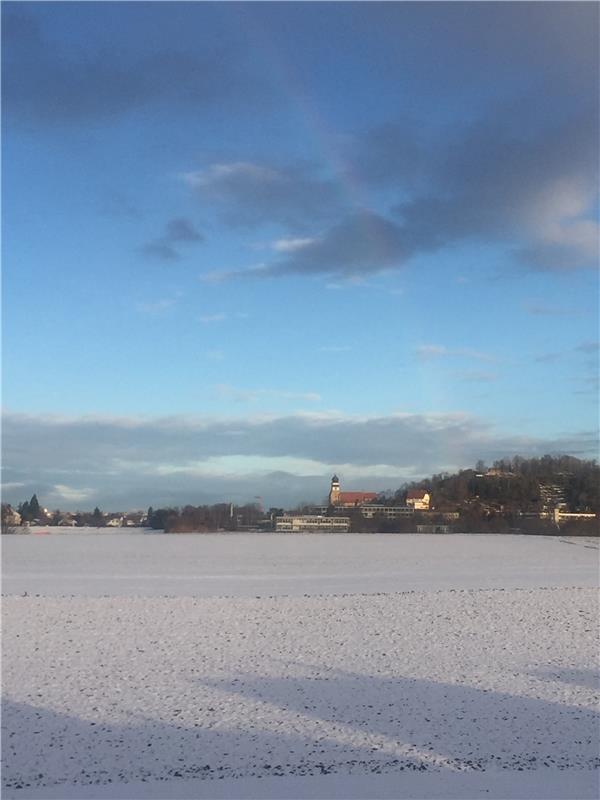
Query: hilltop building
{"type": "Point", "coordinates": [348, 499]}
{"type": "Point", "coordinates": [552, 496]}
{"type": "Point", "coordinates": [418, 499]}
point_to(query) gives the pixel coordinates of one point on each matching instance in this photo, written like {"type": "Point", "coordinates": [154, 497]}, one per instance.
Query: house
{"type": "Point", "coordinates": [494, 472]}
{"type": "Point", "coordinates": [348, 499]}
{"type": "Point", "coordinates": [418, 499]}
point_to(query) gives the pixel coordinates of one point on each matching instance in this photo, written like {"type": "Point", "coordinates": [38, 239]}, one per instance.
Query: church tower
{"type": "Point", "coordinates": [334, 492]}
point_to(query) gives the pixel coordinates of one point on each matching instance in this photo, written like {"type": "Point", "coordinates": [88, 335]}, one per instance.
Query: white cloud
{"type": "Point", "coordinates": [557, 216]}
{"type": "Point", "coordinates": [71, 494]}
{"type": "Point", "coordinates": [236, 169]}
{"type": "Point", "coordinates": [290, 245]}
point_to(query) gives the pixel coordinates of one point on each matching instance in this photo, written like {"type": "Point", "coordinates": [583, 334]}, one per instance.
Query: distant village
{"type": "Point", "coordinates": [365, 511]}
{"type": "Point", "coordinates": [546, 495]}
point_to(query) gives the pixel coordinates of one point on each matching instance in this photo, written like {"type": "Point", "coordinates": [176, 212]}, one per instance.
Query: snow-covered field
{"type": "Point", "coordinates": [278, 666]}
{"type": "Point", "coordinates": [247, 565]}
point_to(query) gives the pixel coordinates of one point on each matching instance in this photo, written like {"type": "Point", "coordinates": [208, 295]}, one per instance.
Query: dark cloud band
{"type": "Point", "coordinates": [103, 454]}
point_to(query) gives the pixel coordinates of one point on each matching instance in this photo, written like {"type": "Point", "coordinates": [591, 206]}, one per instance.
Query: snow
{"type": "Point", "coordinates": [206, 565]}
{"type": "Point", "coordinates": [266, 666]}
{"type": "Point", "coordinates": [552, 785]}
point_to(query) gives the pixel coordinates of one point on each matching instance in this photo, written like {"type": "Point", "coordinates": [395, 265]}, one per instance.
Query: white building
{"type": "Point", "coordinates": [418, 499]}
{"type": "Point", "coordinates": [312, 522]}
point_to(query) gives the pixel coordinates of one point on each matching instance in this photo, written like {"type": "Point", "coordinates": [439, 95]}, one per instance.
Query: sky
{"type": "Point", "coordinates": [247, 245]}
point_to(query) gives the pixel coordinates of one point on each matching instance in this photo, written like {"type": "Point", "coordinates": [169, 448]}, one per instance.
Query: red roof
{"type": "Point", "coordinates": [354, 498]}
{"type": "Point", "coordinates": [416, 494]}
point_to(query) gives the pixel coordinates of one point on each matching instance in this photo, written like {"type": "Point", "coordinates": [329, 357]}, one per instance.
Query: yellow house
{"type": "Point", "coordinates": [418, 499]}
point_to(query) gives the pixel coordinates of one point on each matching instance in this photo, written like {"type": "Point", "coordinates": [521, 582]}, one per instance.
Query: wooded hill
{"type": "Point", "coordinates": [522, 484]}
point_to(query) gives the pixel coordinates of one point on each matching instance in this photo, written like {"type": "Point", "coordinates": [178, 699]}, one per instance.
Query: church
{"type": "Point", "coordinates": [348, 499]}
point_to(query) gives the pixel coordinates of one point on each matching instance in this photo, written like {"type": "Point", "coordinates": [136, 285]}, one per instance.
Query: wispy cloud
{"type": "Point", "coordinates": [157, 306]}
{"type": "Point", "coordinates": [214, 355]}
{"type": "Point", "coordinates": [160, 251]}
{"type": "Point", "coordinates": [584, 357]}
{"type": "Point", "coordinates": [290, 245]}
{"type": "Point", "coordinates": [222, 316]}
{"type": "Point", "coordinates": [546, 310]}
{"type": "Point", "coordinates": [219, 316]}
{"type": "Point", "coordinates": [477, 376]}
{"type": "Point", "coordinates": [252, 395]}
{"type": "Point", "coordinates": [427, 352]}
{"type": "Point", "coordinates": [587, 348]}
{"type": "Point", "coordinates": [70, 494]}
{"type": "Point", "coordinates": [335, 348]}
{"type": "Point", "coordinates": [216, 276]}
{"type": "Point", "coordinates": [548, 358]}
{"type": "Point", "coordinates": [349, 282]}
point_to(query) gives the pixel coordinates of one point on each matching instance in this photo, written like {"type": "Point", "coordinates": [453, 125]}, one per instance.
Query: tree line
{"type": "Point", "coordinates": [222, 516]}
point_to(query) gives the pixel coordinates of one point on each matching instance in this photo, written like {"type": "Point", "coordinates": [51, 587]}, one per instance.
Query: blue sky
{"type": "Point", "coordinates": [248, 244]}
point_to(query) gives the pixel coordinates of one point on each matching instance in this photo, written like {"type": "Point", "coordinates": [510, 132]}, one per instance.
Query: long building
{"type": "Point", "coordinates": [296, 523]}
{"type": "Point", "coordinates": [370, 510]}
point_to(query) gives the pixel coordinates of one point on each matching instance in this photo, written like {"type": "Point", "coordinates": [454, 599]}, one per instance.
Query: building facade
{"type": "Point", "coordinates": [370, 510]}
{"type": "Point", "coordinates": [418, 499]}
{"type": "Point", "coordinates": [316, 523]}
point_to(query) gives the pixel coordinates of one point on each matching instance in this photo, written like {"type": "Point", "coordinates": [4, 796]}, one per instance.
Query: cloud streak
{"type": "Point", "coordinates": [428, 352]}
{"type": "Point", "coordinates": [228, 392]}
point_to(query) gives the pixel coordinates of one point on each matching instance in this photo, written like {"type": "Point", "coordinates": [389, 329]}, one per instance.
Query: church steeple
{"type": "Point", "coordinates": [334, 492]}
